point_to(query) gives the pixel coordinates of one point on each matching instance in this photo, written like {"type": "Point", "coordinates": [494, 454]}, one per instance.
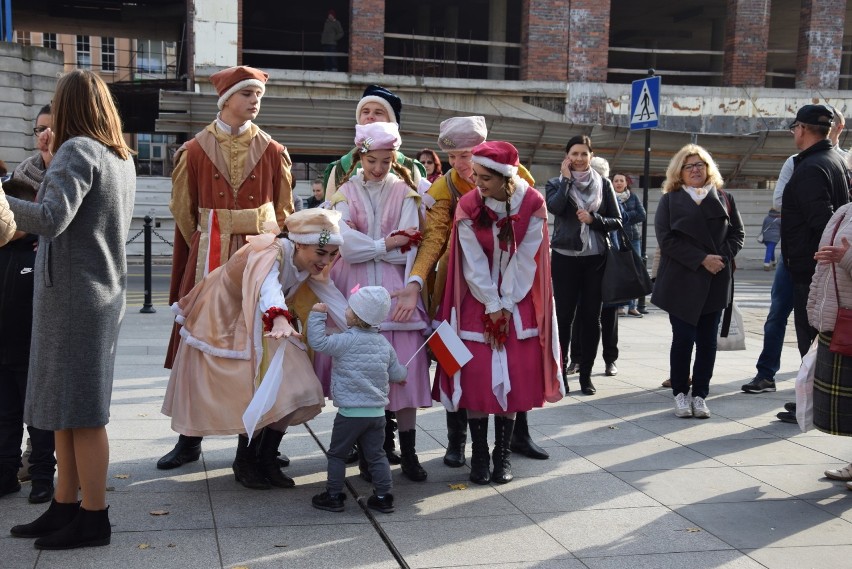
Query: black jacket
{"type": "Point", "coordinates": [566, 226]}
{"type": "Point", "coordinates": [17, 260]}
{"type": "Point", "coordinates": [817, 188]}
{"type": "Point", "coordinates": [686, 234]}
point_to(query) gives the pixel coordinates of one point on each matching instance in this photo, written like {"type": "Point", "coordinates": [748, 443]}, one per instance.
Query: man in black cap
{"type": "Point", "coordinates": [818, 186]}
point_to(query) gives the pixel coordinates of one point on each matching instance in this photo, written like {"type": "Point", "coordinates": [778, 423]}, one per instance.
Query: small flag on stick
{"type": "Point", "coordinates": [449, 349]}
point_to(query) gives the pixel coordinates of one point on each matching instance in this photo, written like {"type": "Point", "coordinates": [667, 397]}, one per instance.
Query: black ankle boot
{"type": "Point", "coordinates": [522, 443]}
{"type": "Point", "coordinates": [456, 438]}
{"type": "Point", "coordinates": [480, 460]}
{"type": "Point", "coordinates": [187, 449]}
{"type": "Point", "coordinates": [87, 529]}
{"type": "Point", "coordinates": [246, 467]}
{"type": "Point", "coordinates": [56, 517]}
{"type": "Point", "coordinates": [390, 446]}
{"type": "Point", "coordinates": [410, 463]}
{"type": "Point", "coordinates": [268, 459]}
{"type": "Point", "coordinates": [586, 385]}
{"type": "Point", "coordinates": [502, 472]}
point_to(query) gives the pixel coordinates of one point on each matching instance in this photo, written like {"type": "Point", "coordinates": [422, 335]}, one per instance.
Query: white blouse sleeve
{"type": "Point", "coordinates": [520, 271]}
{"type": "Point", "coordinates": [271, 294]}
{"type": "Point", "coordinates": [359, 247]}
{"type": "Point", "coordinates": [476, 269]}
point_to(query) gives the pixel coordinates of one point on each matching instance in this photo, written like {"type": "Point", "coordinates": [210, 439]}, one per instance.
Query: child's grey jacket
{"type": "Point", "coordinates": [364, 363]}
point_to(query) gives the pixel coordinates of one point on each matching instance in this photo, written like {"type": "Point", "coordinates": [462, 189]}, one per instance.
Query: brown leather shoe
{"type": "Point", "coordinates": [668, 383]}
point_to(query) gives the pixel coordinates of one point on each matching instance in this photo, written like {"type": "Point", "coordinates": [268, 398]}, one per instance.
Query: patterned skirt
{"type": "Point", "coordinates": [832, 390]}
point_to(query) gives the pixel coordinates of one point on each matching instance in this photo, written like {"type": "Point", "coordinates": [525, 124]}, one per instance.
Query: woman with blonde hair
{"type": "Point", "coordinates": [699, 232]}
{"type": "Point", "coordinates": [82, 215]}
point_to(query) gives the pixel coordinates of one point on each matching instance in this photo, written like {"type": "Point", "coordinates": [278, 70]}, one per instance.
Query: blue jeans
{"type": "Point", "coordinates": [703, 337]}
{"type": "Point", "coordinates": [780, 307]}
{"type": "Point", "coordinates": [769, 257]}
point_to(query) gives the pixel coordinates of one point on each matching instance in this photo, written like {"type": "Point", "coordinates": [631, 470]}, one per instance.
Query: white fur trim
{"type": "Point", "coordinates": [180, 317]}
{"type": "Point", "coordinates": [313, 238]}
{"type": "Point", "coordinates": [203, 346]}
{"type": "Point", "coordinates": [504, 169]}
{"type": "Point", "coordinates": [239, 87]}
{"type": "Point", "coordinates": [375, 99]}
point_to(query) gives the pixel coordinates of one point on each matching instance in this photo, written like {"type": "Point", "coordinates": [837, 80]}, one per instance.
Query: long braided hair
{"type": "Point", "coordinates": [506, 233]}
{"type": "Point", "coordinates": [397, 168]}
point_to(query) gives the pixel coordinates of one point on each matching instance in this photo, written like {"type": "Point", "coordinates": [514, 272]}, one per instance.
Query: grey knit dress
{"type": "Point", "coordinates": [82, 216]}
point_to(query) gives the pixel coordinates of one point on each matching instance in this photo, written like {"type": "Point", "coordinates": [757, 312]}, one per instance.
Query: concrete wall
{"type": "Point", "coordinates": [27, 83]}
{"type": "Point", "coordinates": [214, 25]}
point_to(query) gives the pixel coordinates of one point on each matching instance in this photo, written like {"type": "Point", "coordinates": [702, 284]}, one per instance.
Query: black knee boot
{"type": "Point", "coordinates": [87, 529]}
{"type": "Point", "coordinates": [389, 446]}
{"type": "Point", "coordinates": [586, 385]}
{"type": "Point", "coordinates": [246, 467]}
{"type": "Point", "coordinates": [410, 463]}
{"type": "Point", "coordinates": [187, 449]}
{"type": "Point", "coordinates": [522, 443]}
{"type": "Point", "coordinates": [480, 460]}
{"type": "Point", "coordinates": [456, 438]}
{"type": "Point", "coordinates": [502, 440]}
{"type": "Point", "coordinates": [268, 459]}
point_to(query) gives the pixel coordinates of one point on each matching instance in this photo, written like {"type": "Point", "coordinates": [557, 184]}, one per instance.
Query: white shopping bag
{"type": "Point", "coordinates": [805, 390]}
{"type": "Point", "coordinates": [735, 340]}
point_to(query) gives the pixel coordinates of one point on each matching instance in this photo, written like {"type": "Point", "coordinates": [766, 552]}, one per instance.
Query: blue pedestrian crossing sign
{"type": "Point", "coordinates": [645, 103]}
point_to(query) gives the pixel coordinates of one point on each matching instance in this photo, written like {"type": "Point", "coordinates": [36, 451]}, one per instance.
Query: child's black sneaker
{"type": "Point", "coordinates": [383, 504]}
{"type": "Point", "coordinates": [329, 502]}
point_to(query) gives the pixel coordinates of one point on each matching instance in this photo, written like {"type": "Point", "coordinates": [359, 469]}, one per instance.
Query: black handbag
{"type": "Point", "coordinates": [625, 277]}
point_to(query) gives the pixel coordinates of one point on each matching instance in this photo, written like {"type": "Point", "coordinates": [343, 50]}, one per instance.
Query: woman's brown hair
{"type": "Point", "coordinates": [439, 169]}
{"type": "Point", "coordinates": [397, 168]}
{"type": "Point", "coordinates": [506, 233]}
{"type": "Point", "coordinates": [83, 106]}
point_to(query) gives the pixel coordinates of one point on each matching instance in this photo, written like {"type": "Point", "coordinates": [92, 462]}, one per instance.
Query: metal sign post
{"type": "Point", "coordinates": [645, 114]}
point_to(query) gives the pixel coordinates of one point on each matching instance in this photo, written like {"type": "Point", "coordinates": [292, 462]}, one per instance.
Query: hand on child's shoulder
{"type": "Point", "coordinates": [319, 307]}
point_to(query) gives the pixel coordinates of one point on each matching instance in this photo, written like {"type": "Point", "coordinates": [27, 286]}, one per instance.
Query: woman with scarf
{"type": "Point", "coordinates": [699, 232]}
{"type": "Point", "coordinates": [584, 207]}
{"type": "Point", "coordinates": [633, 214]}
{"type": "Point", "coordinates": [498, 298]}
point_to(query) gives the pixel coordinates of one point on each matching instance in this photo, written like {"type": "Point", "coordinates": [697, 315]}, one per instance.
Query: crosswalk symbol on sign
{"type": "Point", "coordinates": [644, 110]}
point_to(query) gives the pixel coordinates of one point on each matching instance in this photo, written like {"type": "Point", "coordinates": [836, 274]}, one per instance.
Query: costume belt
{"type": "Point", "coordinates": [217, 226]}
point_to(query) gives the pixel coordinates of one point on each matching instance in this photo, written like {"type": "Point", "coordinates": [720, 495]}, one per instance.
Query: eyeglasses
{"type": "Point", "coordinates": [794, 127]}
{"type": "Point", "coordinates": [694, 166]}
{"type": "Point", "coordinates": [39, 129]}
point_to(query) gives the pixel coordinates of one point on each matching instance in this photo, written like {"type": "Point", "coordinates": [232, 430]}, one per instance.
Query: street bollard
{"type": "Point", "coordinates": [147, 306]}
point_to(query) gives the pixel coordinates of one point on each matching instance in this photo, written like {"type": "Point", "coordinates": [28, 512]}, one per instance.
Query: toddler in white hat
{"type": "Point", "coordinates": [363, 365]}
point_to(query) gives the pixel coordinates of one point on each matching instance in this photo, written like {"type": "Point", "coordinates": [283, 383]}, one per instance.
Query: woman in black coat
{"type": "Point", "coordinates": [699, 232]}
{"type": "Point", "coordinates": [585, 210]}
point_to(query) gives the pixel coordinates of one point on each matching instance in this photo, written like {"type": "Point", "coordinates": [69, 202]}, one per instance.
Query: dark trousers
{"type": "Point", "coordinates": [575, 278]}
{"type": "Point", "coordinates": [369, 433]}
{"type": "Point", "coordinates": [703, 337]}
{"type": "Point", "coordinates": [13, 390]}
{"type": "Point", "coordinates": [805, 333]}
{"type": "Point", "coordinates": [609, 335]}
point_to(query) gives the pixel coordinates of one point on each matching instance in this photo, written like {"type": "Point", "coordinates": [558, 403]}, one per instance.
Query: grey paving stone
{"type": "Point", "coordinates": [141, 550]}
{"type": "Point", "coordinates": [562, 462]}
{"type": "Point", "coordinates": [804, 481]}
{"type": "Point", "coordinates": [131, 511]}
{"type": "Point", "coordinates": [686, 432]}
{"type": "Point", "coordinates": [17, 552]}
{"type": "Point", "coordinates": [487, 542]}
{"type": "Point", "coordinates": [306, 547]}
{"type": "Point", "coordinates": [627, 531]}
{"type": "Point", "coordinates": [769, 523]}
{"type": "Point", "coordinates": [595, 491]}
{"type": "Point", "coordinates": [701, 485]}
{"type": "Point", "coordinates": [834, 446]}
{"type": "Point", "coordinates": [278, 507]}
{"type": "Point", "coordinates": [645, 455]}
{"type": "Point", "coordinates": [811, 557]}
{"type": "Point", "coordinates": [755, 452]}
{"type": "Point", "coordinates": [731, 559]}
{"type": "Point", "coordinates": [600, 432]}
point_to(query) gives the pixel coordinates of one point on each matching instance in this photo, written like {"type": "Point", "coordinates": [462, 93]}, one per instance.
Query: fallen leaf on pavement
{"type": "Point", "coordinates": [457, 486]}
{"type": "Point", "coordinates": [159, 513]}
{"type": "Point", "coordinates": [143, 546]}
{"type": "Point", "coordinates": [122, 476]}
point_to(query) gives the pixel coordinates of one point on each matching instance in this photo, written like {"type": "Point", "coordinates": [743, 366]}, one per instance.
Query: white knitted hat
{"type": "Point", "coordinates": [371, 304]}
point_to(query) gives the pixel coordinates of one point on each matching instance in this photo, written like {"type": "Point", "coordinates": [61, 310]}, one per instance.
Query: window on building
{"type": "Point", "coordinates": [152, 152]}
{"type": "Point", "coordinates": [49, 41]}
{"type": "Point", "coordinates": [23, 38]}
{"type": "Point", "coordinates": [107, 54]}
{"type": "Point", "coordinates": [84, 52]}
{"type": "Point", "coordinates": [155, 57]}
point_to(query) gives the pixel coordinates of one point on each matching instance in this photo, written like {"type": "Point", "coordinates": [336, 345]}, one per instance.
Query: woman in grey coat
{"type": "Point", "coordinates": [82, 215]}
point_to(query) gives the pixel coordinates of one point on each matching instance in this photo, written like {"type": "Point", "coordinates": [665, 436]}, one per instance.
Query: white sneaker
{"type": "Point", "coordinates": [699, 408]}
{"type": "Point", "coordinates": [844, 473]}
{"type": "Point", "coordinates": [682, 406]}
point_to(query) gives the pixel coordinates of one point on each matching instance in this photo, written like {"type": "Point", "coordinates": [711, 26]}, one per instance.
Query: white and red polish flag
{"type": "Point", "coordinates": [448, 349]}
